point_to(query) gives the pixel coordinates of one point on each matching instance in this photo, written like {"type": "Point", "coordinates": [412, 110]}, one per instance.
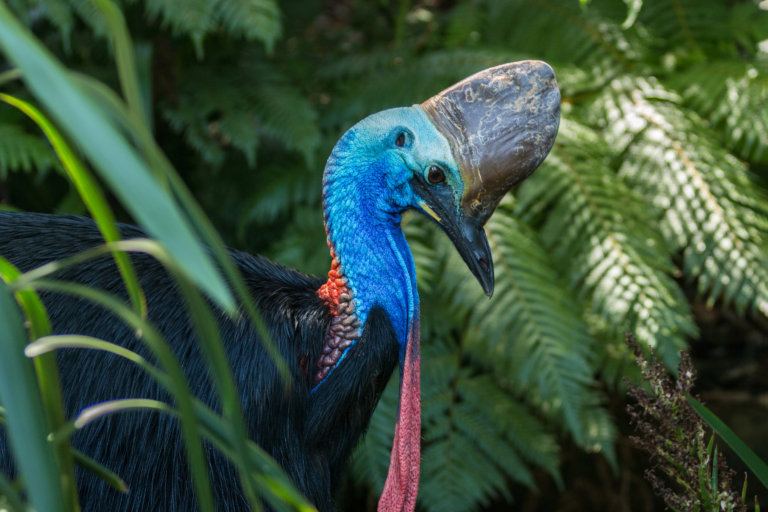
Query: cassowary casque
{"type": "Point", "coordinates": [451, 158]}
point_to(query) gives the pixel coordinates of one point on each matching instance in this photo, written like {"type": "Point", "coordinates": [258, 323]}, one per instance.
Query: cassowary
{"type": "Point", "coordinates": [451, 158]}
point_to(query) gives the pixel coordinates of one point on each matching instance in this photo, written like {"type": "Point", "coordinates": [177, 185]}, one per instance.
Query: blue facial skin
{"type": "Point", "coordinates": [366, 189]}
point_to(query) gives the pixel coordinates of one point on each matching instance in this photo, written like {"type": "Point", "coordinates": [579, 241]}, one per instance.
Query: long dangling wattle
{"type": "Point", "coordinates": [402, 485]}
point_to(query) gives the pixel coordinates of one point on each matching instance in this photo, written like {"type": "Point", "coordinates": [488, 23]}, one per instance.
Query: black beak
{"type": "Point", "coordinates": [466, 233]}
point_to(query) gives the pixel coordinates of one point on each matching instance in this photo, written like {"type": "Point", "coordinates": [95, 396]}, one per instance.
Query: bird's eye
{"type": "Point", "coordinates": [400, 141]}
{"type": "Point", "coordinates": [435, 175]}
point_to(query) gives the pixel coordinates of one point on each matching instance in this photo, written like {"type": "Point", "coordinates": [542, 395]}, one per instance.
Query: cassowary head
{"type": "Point", "coordinates": [457, 154]}
{"type": "Point", "coordinates": [451, 158]}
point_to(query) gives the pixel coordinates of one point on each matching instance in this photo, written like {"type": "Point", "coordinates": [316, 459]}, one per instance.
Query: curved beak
{"type": "Point", "coordinates": [501, 124]}
{"type": "Point", "coordinates": [466, 233]}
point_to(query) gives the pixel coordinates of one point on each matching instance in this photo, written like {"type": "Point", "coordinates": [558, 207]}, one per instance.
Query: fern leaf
{"type": "Point", "coordinates": [733, 97]}
{"type": "Point", "coordinates": [285, 114]}
{"type": "Point", "coordinates": [712, 210]}
{"type": "Point", "coordinates": [191, 17]}
{"type": "Point", "coordinates": [531, 332]}
{"type": "Point", "coordinates": [20, 151]}
{"type": "Point", "coordinates": [603, 238]}
{"type": "Point", "coordinates": [251, 19]}
{"type": "Point", "coordinates": [593, 39]}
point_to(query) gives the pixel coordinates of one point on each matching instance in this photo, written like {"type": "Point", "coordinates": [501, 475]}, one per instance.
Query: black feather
{"type": "Point", "coordinates": [311, 436]}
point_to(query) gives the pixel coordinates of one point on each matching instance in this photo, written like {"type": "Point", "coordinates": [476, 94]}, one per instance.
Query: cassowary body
{"type": "Point", "coordinates": [310, 436]}
{"type": "Point", "coordinates": [451, 158]}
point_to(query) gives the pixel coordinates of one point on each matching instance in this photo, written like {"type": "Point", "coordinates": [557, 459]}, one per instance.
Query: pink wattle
{"type": "Point", "coordinates": [402, 483]}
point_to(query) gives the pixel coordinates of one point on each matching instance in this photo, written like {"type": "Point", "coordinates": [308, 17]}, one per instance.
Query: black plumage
{"type": "Point", "coordinates": [311, 436]}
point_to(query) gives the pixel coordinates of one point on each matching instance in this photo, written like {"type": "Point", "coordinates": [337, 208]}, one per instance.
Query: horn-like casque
{"type": "Point", "coordinates": [501, 123]}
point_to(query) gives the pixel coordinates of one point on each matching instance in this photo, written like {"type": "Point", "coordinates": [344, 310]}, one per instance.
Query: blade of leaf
{"type": "Point", "coordinates": [758, 467]}
{"type": "Point", "coordinates": [92, 196]}
{"type": "Point", "coordinates": [25, 418]}
{"type": "Point", "coordinates": [160, 163]}
{"type": "Point", "coordinates": [178, 387]}
{"type": "Point", "coordinates": [117, 162]}
{"type": "Point", "coordinates": [9, 493]}
{"type": "Point", "coordinates": [97, 469]}
{"type": "Point", "coordinates": [47, 372]}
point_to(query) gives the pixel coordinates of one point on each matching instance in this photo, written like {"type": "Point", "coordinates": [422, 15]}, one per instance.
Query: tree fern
{"type": "Point", "coordinates": [215, 111]}
{"type": "Point", "coordinates": [531, 333]}
{"type": "Point", "coordinates": [602, 238]}
{"type": "Point", "coordinates": [252, 19]}
{"type": "Point", "coordinates": [20, 151]}
{"type": "Point", "coordinates": [712, 210]}
{"type": "Point", "coordinates": [733, 97]}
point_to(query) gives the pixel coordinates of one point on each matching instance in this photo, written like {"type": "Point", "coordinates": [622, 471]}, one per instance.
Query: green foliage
{"type": "Point", "coordinates": [21, 151]}
{"type": "Point", "coordinates": [654, 192]}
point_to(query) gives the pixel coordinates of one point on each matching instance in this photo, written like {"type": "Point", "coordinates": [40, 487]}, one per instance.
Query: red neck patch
{"type": "Point", "coordinates": [345, 326]}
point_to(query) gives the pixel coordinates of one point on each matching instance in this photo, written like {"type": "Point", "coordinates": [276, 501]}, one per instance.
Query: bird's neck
{"type": "Point", "coordinates": [372, 263]}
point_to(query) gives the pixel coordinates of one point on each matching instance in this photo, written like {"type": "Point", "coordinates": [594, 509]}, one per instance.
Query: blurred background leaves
{"type": "Point", "coordinates": [651, 206]}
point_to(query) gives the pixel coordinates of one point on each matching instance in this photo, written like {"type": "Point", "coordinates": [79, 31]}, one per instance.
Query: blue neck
{"type": "Point", "coordinates": [363, 224]}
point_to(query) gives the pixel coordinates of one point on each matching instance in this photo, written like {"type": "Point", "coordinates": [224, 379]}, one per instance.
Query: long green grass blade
{"type": "Point", "coordinates": [124, 56]}
{"type": "Point", "coordinates": [50, 343]}
{"type": "Point", "coordinates": [273, 482]}
{"type": "Point", "coordinates": [25, 418]}
{"type": "Point", "coordinates": [209, 338]}
{"type": "Point", "coordinates": [178, 382]}
{"type": "Point", "coordinates": [160, 163]}
{"type": "Point", "coordinates": [12, 497]}
{"type": "Point", "coordinates": [758, 467]}
{"type": "Point", "coordinates": [97, 469]}
{"type": "Point", "coordinates": [92, 196]}
{"type": "Point", "coordinates": [95, 412]}
{"type": "Point", "coordinates": [47, 373]}
{"type": "Point", "coordinates": [9, 76]}
{"type": "Point", "coordinates": [111, 154]}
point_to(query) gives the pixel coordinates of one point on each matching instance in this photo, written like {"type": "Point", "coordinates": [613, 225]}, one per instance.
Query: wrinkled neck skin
{"type": "Point", "coordinates": [365, 192]}
{"type": "Point", "coordinates": [363, 205]}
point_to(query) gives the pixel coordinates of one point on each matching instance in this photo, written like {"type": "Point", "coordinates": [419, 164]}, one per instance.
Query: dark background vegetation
{"type": "Point", "coordinates": [649, 216]}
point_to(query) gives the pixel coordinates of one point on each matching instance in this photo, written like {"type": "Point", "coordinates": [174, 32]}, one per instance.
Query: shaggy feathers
{"type": "Point", "coordinates": [311, 437]}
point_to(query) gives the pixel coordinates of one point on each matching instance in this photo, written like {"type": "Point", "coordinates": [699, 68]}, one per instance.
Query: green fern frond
{"type": "Point", "coordinates": [593, 39]}
{"type": "Point", "coordinates": [20, 151]}
{"type": "Point", "coordinates": [712, 210]}
{"type": "Point", "coordinates": [475, 437]}
{"type": "Point", "coordinates": [303, 244]}
{"type": "Point", "coordinates": [733, 97]}
{"type": "Point", "coordinates": [251, 19]}
{"type": "Point", "coordinates": [285, 113]}
{"type": "Point", "coordinates": [283, 188]}
{"type": "Point", "coordinates": [602, 237]}
{"type": "Point", "coordinates": [214, 110]}
{"type": "Point", "coordinates": [691, 23]}
{"type": "Point", "coordinates": [60, 15]}
{"type": "Point", "coordinates": [190, 17]}
{"type": "Point", "coordinates": [531, 332]}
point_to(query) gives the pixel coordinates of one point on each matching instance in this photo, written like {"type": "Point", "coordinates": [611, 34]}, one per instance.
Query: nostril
{"type": "Point", "coordinates": [484, 263]}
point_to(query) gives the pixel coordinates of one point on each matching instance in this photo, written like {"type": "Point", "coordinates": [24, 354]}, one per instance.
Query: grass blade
{"type": "Point", "coordinates": [25, 418]}
{"type": "Point", "coordinates": [160, 164]}
{"type": "Point", "coordinates": [111, 154]}
{"type": "Point", "coordinates": [275, 485]}
{"type": "Point", "coordinates": [97, 469]}
{"type": "Point", "coordinates": [124, 56]}
{"type": "Point", "coordinates": [177, 380]}
{"type": "Point", "coordinates": [11, 496]}
{"type": "Point", "coordinates": [95, 412]}
{"type": "Point", "coordinates": [92, 196]}
{"type": "Point", "coordinates": [47, 372]}
{"type": "Point", "coordinates": [758, 467]}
